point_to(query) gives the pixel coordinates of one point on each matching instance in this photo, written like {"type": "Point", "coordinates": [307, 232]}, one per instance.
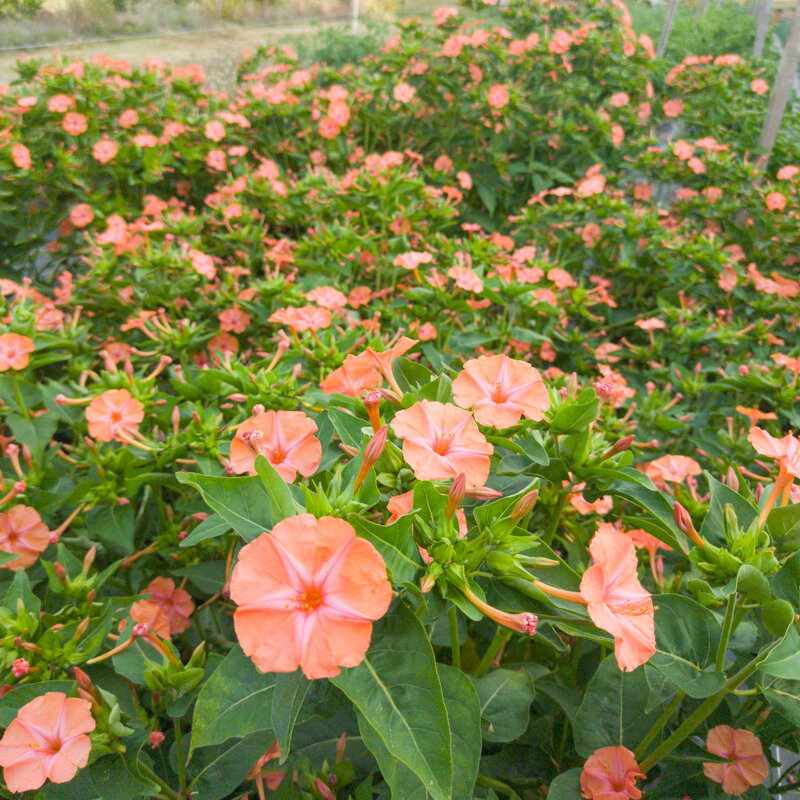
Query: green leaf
{"type": "Point", "coordinates": [113, 525]}
{"type": "Point", "coordinates": [20, 590]}
{"type": "Point", "coordinates": [233, 703]}
{"type": "Point", "coordinates": [397, 690]}
{"type": "Point", "coordinates": [5, 558]}
{"type": "Point", "coordinates": [281, 502]}
{"type": "Point", "coordinates": [291, 689]}
{"type": "Point", "coordinates": [566, 786]}
{"type": "Point", "coordinates": [395, 544]}
{"type": "Point", "coordinates": [784, 660]}
{"type": "Point", "coordinates": [783, 523]}
{"type": "Point", "coordinates": [242, 501]}
{"type": "Point", "coordinates": [217, 771]}
{"type": "Point", "coordinates": [662, 509]}
{"type": "Point", "coordinates": [777, 616]}
{"type": "Point", "coordinates": [786, 583]}
{"type": "Point", "coordinates": [784, 695]}
{"type": "Point", "coordinates": [36, 433]}
{"type": "Point", "coordinates": [712, 528]}
{"type": "Point", "coordinates": [612, 711]}
{"type": "Point", "coordinates": [464, 717]}
{"type": "Point", "coordinates": [210, 528]}
{"type": "Point", "coordinates": [687, 638]}
{"type": "Point", "coordinates": [576, 414]}
{"type": "Point", "coordinates": [505, 697]}
{"type": "Point", "coordinates": [751, 582]}
{"type": "Point", "coordinates": [348, 428]}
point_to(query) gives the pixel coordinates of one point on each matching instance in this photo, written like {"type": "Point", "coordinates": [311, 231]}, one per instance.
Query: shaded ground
{"type": "Point", "coordinates": [217, 52]}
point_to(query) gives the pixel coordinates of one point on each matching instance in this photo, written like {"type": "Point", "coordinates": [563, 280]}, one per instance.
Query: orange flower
{"type": "Point", "coordinates": [307, 594]}
{"type": "Point", "coordinates": [743, 748]}
{"type": "Point", "coordinates": [305, 318]}
{"type": "Point", "coordinates": [787, 453]}
{"type": "Point", "coordinates": [442, 441]}
{"type": "Point", "coordinates": [115, 414]}
{"type": "Point", "coordinates": [15, 351]}
{"type": "Point", "coordinates": [285, 438]}
{"type": "Point", "coordinates": [384, 361]}
{"type": "Point", "coordinates": [616, 601]}
{"type": "Point", "coordinates": [671, 469]}
{"type": "Point", "coordinates": [501, 390]}
{"type": "Point", "coordinates": [23, 533]}
{"type": "Point", "coordinates": [167, 610]}
{"type": "Point", "coordinates": [756, 415]}
{"type": "Point", "coordinates": [610, 773]}
{"type": "Point", "coordinates": [356, 376]}
{"type": "Point", "coordinates": [46, 740]}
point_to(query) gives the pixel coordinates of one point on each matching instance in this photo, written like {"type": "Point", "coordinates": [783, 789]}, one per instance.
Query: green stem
{"type": "Point", "coordinates": [779, 779]}
{"type": "Point", "coordinates": [703, 711]}
{"type": "Point", "coordinates": [503, 788]}
{"type": "Point", "coordinates": [727, 628]}
{"type": "Point", "coordinates": [23, 409]}
{"type": "Point", "coordinates": [554, 520]}
{"type": "Point", "coordinates": [659, 724]}
{"type": "Point", "coordinates": [501, 636]}
{"type": "Point", "coordinates": [179, 756]}
{"type": "Point", "coordinates": [148, 773]}
{"type": "Point", "coordinates": [455, 644]}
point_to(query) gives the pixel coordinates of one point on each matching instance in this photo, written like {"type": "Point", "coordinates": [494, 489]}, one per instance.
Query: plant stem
{"type": "Point", "coordinates": [501, 636]}
{"type": "Point", "coordinates": [554, 520]}
{"type": "Point", "coordinates": [455, 644]}
{"type": "Point", "coordinates": [727, 629]}
{"type": "Point", "coordinates": [179, 756]}
{"type": "Point", "coordinates": [148, 773]}
{"type": "Point", "coordinates": [779, 779]}
{"type": "Point", "coordinates": [23, 409]}
{"type": "Point", "coordinates": [503, 788]}
{"type": "Point", "coordinates": [703, 711]}
{"type": "Point", "coordinates": [659, 724]}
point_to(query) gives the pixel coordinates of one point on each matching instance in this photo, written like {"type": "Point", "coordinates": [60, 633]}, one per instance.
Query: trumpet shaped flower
{"type": "Point", "coordinates": [307, 594]}
{"type": "Point", "coordinates": [442, 441]}
{"type": "Point", "coordinates": [23, 533]}
{"type": "Point", "coordinates": [610, 773]}
{"type": "Point", "coordinates": [15, 351]}
{"type": "Point", "coordinates": [748, 766]}
{"type": "Point", "coordinates": [114, 415]}
{"type": "Point", "coordinates": [616, 601]}
{"type": "Point", "coordinates": [501, 390]}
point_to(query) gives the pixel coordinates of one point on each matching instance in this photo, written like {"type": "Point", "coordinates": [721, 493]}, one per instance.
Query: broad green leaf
{"type": "Point", "coordinates": [786, 582]}
{"type": "Point", "coordinates": [233, 703]}
{"type": "Point", "coordinates": [783, 523]}
{"type": "Point", "coordinates": [784, 695]}
{"type": "Point", "coordinates": [217, 771]}
{"type": "Point", "coordinates": [566, 786]}
{"type": "Point", "coordinates": [287, 700]}
{"type": "Point", "coordinates": [281, 503]}
{"type": "Point", "coordinates": [662, 509]}
{"type": "Point", "coordinates": [612, 711]}
{"type": "Point", "coordinates": [576, 414]}
{"type": "Point", "coordinates": [687, 638]}
{"type": "Point", "coordinates": [112, 525]}
{"type": "Point", "coordinates": [505, 697]}
{"type": "Point", "coordinates": [712, 528]}
{"type": "Point", "coordinates": [348, 428]}
{"type": "Point", "coordinates": [397, 690]}
{"type": "Point", "coordinates": [20, 590]}
{"type": "Point", "coordinates": [777, 616]}
{"type": "Point", "coordinates": [35, 433]}
{"type": "Point", "coordinates": [464, 716]}
{"type": "Point", "coordinates": [784, 660]}
{"type": "Point", "coordinates": [210, 528]}
{"type": "Point", "coordinates": [242, 501]}
{"type": "Point", "coordinates": [751, 582]}
{"type": "Point", "coordinates": [5, 558]}
{"type": "Point", "coordinates": [394, 542]}
{"type": "Point", "coordinates": [16, 698]}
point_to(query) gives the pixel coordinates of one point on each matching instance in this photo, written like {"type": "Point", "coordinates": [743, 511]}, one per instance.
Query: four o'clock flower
{"type": "Point", "coordinates": [610, 773]}
{"type": "Point", "coordinates": [748, 766]}
{"type": "Point", "coordinates": [786, 452]}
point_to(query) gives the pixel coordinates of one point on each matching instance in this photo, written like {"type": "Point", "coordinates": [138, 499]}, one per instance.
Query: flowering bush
{"type": "Point", "coordinates": [419, 427]}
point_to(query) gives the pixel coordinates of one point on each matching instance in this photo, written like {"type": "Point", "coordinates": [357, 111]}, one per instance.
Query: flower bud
{"type": "Point", "coordinates": [685, 524]}
{"type": "Point", "coordinates": [618, 447]}
{"type": "Point", "coordinates": [20, 667]}
{"type": "Point", "coordinates": [340, 745]}
{"type": "Point", "coordinates": [88, 559]}
{"type": "Point", "coordinates": [83, 626]}
{"type": "Point", "coordinates": [456, 494]}
{"type": "Point", "coordinates": [83, 680]}
{"type": "Point", "coordinates": [427, 583]}
{"type": "Point", "coordinates": [732, 479]}
{"type": "Point", "coordinates": [61, 573]}
{"type": "Point", "coordinates": [483, 493]}
{"type": "Point", "coordinates": [372, 452]}
{"type": "Point", "coordinates": [372, 401]}
{"type": "Point", "coordinates": [156, 739]}
{"type": "Point", "coordinates": [524, 505]}
{"type": "Point", "coordinates": [258, 408]}
{"type": "Point", "coordinates": [324, 791]}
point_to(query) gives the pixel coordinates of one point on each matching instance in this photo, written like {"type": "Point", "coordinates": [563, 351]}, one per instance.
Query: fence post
{"type": "Point", "coordinates": [700, 11]}
{"type": "Point", "coordinates": [784, 82]}
{"type": "Point", "coordinates": [762, 26]}
{"type": "Point", "coordinates": [665, 31]}
{"type": "Point", "coordinates": [354, 26]}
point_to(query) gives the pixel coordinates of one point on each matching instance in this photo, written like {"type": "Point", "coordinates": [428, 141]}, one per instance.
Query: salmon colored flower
{"type": "Point", "coordinates": [755, 414]}
{"type": "Point", "coordinates": [175, 605]}
{"type": "Point", "coordinates": [234, 320]}
{"type": "Point", "coordinates": [671, 469]}
{"type": "Point", "coordinates": [105, 150]}
{"type": "Point", "coordinates": [498, 95]}
{"type": "Point", "coordinates": [786, 452]}
{"type": "Point", "coordinates": [328, 297]}
{"type": "Point", "coordinates": [403, 92]}
{"type": "Point", "coordinates": [384, 361]}
{"type": "Point", "coordinates": [466, 279]}
{"type": "Point", "coordinates": [759, 86]}
{"type": "Point", "coordinates": [673, 108]}
{"type": "Point", "coordinates": [441, 441]}
{"type": "Point", "coordinates": [21, 156]}
{"type": "Point", "coordinates": [115, 414]}
{"type": "Point", "coordinates": [75, 123]}
{"type": "Point", "coordinates": [356, 376]}
{"type": "Point", "coordinates": [46, 740]}
{"type": "Point", "coordinates": [15, 351]}
{"type": "Point", "coordinates": [81, 215]}
{"type": "Point", "coordinates": [616, 601]}
{"type": "Point", "coordinates": [610, 773]}
{"type": "Point", "coordinates": [307, 594]}
{"type": "Point", "coordinates": [744, 749]}
{"type": "Point", "coordinates": [305, 318]}
{"type": "Point", "coordinates": [22, 533]}
{"type": "Point", "coordinates": [501, 390]}
{"type": "Point", "coordinates": [285, 438]}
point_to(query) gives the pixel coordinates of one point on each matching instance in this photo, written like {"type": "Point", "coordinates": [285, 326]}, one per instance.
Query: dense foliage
{"type": "Point", "coordinates": [416, 427]}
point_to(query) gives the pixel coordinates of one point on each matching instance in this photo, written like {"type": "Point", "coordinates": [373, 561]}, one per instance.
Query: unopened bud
{"type": "Point", "coordinates": [732, 479]}
{"type": "Point", "coordinates": [372, 452]}
{"type": "Point", "coordinates": [258, 408]}
{"type": "Point", "coordinates": [373, 403]}
{"type": "Point", "coordinates": [83, 626]}
{"type": "Point", "coordinates": [524, 505]}
{"type": "Point", "coordinates": [483, 493]}
{"type": "Point", "coordinates": [253, 439]}
{"type": "Point", "coordinates": [19, 487]}
{"type": "Point", "coordinates": [618, 447]}
{"type": "Point", "coordinates": [61, 573]}
{"type": "Point", "coordinates": [90, 597]}
{"type": "Point", "coordinates": [340, 745]}
{"type": "Point", "coordinates": [685, 524]}
{"type": "Point", "coordinates": [758, 492]}
{"type": "Point", "coordinates": [427, 583]}
{"type": "Point", "coordinates": [324, 790]}
{"type": "Point", "coordinates": [20, 667]}
{"type": "Point", "coordinates": [83, 680]}
{"type": "Point", "coordinates": [175, 418]}
{"type": "Point", "coordinates": [139, 630]}
{"type": "Point", "coordinates": [156, 739]}
{"type": "Point", "coordinates": [88, 559]}
{"type": "Point", "coordinates": [456, 494]}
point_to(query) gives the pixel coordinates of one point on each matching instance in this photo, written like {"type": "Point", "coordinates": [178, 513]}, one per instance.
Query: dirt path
{"type": "Point", "coordinates": [217, 52]}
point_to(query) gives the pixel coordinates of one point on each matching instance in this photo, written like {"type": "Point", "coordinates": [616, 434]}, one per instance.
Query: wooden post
{"type": "Point", "coordinates": [783, 86]}
{"type": "Point", "coordinates": [762, 26]}
{"type": "Point", "coordinates": [700, 11]}
{"type": "Point", "coordinates": [665, 31]}
{"type": "Point", "coordinates": [354, 26]}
